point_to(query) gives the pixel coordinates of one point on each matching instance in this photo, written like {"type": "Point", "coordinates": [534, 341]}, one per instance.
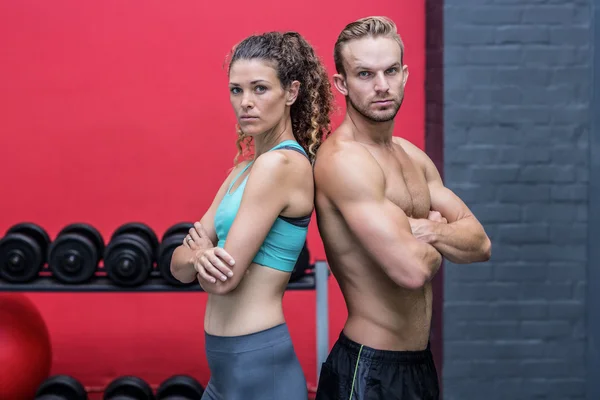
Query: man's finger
{"type": "Point", "coordinates": [435, 216]}
{"type": "Point", "coordinates": [224, 255]}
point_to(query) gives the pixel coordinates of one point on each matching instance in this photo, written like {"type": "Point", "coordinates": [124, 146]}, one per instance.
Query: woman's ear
{"type": "Point", "coordinates": [292, 93]}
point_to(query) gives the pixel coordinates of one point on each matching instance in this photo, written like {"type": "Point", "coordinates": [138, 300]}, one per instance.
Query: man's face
{"type": "Point", "coordinates": [374, 77]}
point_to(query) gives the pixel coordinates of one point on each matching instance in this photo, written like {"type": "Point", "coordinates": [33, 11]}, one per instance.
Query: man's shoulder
{"type": "Point", "coordinates": [345, 168]}
{"type": "Point", "coordinates": [340, 150]}
{"type": "Point", "coordinates": [415, 152]}
{"type": "Point", "coordinates": [408, 146]}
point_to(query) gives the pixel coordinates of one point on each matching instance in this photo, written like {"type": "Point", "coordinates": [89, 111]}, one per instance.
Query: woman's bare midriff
{"type": "Point", "coordinates": [253, 306]}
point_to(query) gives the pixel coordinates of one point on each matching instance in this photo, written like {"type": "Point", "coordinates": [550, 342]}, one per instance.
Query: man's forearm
{"type": "Point", "coordinates": [463, 241]}
{"type": "Point", "coordinates": [432, 260]}
{"type": "Point", "coordinates": [414, 266]}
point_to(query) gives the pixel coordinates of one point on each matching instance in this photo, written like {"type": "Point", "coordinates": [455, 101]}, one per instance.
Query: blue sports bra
{"type": "Point", "coordinates": [284, 242]}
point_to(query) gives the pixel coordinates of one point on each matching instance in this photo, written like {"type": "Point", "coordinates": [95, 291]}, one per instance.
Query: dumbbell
{"type": "Point", "coordinates": [74, 255]}
{"type": "Point", "coordinates": [61, 387]}
{"type": "Point", "coordinates": [128, 388]}
{"type": "Point", "coordinates": [171, 239]}
{"type": "Point", "coordinates": [302, 264]}
{"type": "Point", "coordinates": [23, 252]}
{"type": "Point", "coordinates": [130, 254]}
{"type": "Point", "coordinates": [180, 387]}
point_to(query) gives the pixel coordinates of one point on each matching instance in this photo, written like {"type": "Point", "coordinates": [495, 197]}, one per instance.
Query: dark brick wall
{"type": "Point", "coordinates": [517, 76]}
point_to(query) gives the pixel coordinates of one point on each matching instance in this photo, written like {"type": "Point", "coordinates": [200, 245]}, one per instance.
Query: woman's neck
{"type": "Point", "coordinates": [267, 140]}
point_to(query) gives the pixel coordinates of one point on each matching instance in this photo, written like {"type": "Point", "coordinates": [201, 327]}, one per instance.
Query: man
{"type": "Point", "coordinates": [386, 221]}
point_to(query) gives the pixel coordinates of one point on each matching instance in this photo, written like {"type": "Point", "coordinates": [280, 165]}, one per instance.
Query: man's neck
{"type": "Point", "coordinates": [368, 131]}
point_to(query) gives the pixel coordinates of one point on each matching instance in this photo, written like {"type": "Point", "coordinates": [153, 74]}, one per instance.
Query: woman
{"type": "Point", "coordinates": [244, 248]}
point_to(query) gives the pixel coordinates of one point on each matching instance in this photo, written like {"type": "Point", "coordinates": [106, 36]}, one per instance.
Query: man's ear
{"type": "Point", "coordinates": [339, 81]}
{"type": "Point", "coordinates": [405, 70]}
{"type": "Point", "coordinates": [292, 93]}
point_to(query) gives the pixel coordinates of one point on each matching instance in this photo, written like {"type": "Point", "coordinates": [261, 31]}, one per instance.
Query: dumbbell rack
{"type": "Point", "coordinates": [315, 280]}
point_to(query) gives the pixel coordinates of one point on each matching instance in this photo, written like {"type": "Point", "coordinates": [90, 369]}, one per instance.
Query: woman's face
{"type": "Point", "coordinates": [259, 101]}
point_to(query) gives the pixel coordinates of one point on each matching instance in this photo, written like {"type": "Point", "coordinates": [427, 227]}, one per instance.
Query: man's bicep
{"type": "Point", "coordinates": [443, 200]}
{"type": "Point", "coordinates": [380, 226]}
{"type": "Point", "coordinates": [356, 187]}
{"type": "Point", "coordinates": [447, 203]}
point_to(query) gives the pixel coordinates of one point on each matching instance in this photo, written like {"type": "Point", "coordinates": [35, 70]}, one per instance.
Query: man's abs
{"type": "Point", "coordinates": [381, 314]}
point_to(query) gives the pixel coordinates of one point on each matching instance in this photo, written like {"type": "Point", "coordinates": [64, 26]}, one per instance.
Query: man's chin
{"type": "Point", "coordinates": [382, 116]}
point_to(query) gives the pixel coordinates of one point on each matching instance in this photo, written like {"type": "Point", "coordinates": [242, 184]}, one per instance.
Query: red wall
{"type": "Point", "coordinates": [118, 111]}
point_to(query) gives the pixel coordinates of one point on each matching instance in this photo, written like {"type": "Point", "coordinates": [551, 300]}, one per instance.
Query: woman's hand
{"type": "Point", "coordinates": [197, 238]}
{"type": "Point", "coordinates": [209, 261]}
{"type": "Point", "coordinates": [212, 264]}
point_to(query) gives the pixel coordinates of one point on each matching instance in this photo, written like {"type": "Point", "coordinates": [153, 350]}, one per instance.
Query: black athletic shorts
{"type": "Point", "coordinates": [356, 372]}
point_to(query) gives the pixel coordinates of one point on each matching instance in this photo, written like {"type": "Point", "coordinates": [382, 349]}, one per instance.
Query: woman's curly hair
{"type": "Point", "coordinates": [295, 60]}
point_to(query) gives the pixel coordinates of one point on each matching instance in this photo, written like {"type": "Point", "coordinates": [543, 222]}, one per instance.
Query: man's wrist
{"type": "Point", "coordinates": [433, 232]}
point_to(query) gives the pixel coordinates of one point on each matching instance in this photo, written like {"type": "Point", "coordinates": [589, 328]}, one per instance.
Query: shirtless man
{"type": "Point", "coordinates": [386, 221]}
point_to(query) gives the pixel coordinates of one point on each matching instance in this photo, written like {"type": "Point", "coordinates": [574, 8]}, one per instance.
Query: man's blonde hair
{"type": "Point", "coordinates": [365, 27]}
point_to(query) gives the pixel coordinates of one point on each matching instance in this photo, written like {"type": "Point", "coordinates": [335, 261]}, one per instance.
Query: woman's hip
{"type": "Point", "coordinates": [261, 365]}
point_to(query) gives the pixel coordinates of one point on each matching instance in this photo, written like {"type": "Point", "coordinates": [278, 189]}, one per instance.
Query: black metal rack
{"type": "Point", "coordinates": [155, 283]}
{"type": "Point", "coordinates": [315, 280]}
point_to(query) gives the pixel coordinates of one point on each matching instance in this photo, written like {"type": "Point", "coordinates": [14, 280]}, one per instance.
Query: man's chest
{"type": "Point", "coordinates": [405, 183]}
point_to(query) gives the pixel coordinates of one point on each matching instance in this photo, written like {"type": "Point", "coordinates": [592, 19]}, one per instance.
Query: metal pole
{"type": "Point", "coordinates": [321, 277]}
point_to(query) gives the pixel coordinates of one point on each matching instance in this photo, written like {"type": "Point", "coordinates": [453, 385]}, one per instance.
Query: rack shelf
{"type": "Point", "coordinates": [316, 280]}
{"type": "Point", "coordinates": [102, 284]}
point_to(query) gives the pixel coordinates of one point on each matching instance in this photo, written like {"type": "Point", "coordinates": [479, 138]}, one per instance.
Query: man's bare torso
{"type": "Point", "coordinates": [381, 314]}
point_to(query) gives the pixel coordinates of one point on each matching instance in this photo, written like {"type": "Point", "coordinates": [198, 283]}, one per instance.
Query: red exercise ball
{"type": "Point", "coordinates": [25, 349]}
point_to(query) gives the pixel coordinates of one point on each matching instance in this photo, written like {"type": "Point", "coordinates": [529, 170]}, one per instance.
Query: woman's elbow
{"type": "Point", "coordinates": [178, 268]}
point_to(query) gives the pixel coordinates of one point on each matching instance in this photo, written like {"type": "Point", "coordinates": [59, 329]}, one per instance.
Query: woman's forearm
{"type": "Point", "coordinates": [182, 264]}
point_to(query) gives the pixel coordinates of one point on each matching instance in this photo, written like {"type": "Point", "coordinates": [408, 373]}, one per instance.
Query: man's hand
{"type": "Point", "coordinates": [423, 229]}
{"type": "Point", "coordinates": [436, 217]}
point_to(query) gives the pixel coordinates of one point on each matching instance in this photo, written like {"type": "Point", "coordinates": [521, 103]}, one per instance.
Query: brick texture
{"type": "Point", "coordinates": [517, 76]}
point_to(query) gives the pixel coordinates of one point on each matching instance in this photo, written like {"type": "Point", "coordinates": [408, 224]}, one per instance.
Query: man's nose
{"type": "Point", "coordinates": [381, 83]}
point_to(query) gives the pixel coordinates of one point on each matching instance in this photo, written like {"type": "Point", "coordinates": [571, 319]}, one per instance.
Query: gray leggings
{"type": "Point", "coordinates": [257, 366]}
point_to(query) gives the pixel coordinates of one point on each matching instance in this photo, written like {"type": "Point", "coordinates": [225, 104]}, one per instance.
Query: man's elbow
{"type": "Point", "coordinates": [486, 249]}
{"type": "Point", "coordinates": [412, 281]}
{"type": "Point", "coordinates": [414, 277]}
